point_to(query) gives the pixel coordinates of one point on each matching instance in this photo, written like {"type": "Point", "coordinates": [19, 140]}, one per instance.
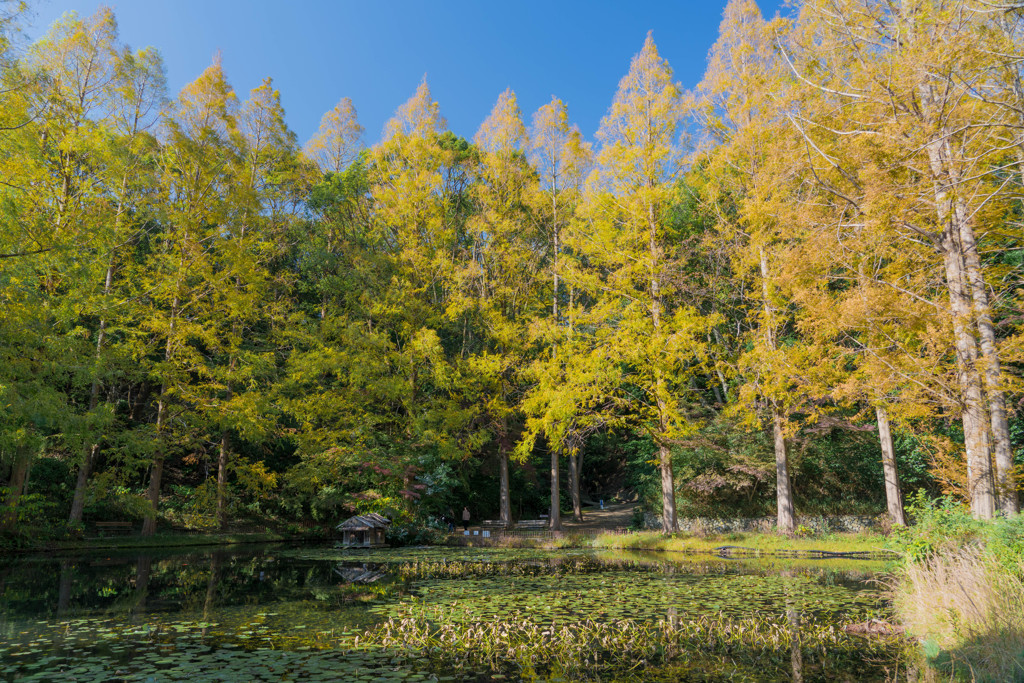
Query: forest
{"type": "Point", "coordinates": [793, 289]}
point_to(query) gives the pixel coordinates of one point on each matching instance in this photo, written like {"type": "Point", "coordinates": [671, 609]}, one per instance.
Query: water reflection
{"type": "Point", "coordinates": [109, 610]}
{"type": "Point", "coordinates": [363, 573]}
{"type": "Point", "coordinates": [64, 592]}
{"type": "Point", "coordinates": [143, 568]}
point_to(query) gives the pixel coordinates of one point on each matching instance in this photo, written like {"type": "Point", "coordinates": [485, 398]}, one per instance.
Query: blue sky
{"type": "Point", "coordinates": [376, 51]}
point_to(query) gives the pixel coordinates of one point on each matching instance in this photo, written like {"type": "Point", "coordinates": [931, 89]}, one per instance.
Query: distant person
{"type": "Point", "coordinates": [465, 519]}
{"type": "Point", "coordinates": [449, 519]}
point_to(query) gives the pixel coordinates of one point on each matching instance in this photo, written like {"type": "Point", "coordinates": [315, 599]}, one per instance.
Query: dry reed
{"type": "Point", "coordinates": [968, 612]}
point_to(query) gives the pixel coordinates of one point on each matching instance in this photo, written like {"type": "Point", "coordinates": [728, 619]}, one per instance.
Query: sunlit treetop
{"type": "Point", "coordinates": [339, 140]}
{"type": "Point", "coordinates": [208, 103]}
{"type": "Point", "coordinates": [503, 130]}
{"type": "Point", "coordinates": [420, 116]}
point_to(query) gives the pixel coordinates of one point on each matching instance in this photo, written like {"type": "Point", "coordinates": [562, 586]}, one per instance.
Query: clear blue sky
{"type": "Point", "coordinates": [376, 51]}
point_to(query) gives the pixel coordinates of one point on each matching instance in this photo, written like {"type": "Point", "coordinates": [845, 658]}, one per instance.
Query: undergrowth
{"type": "Point", "coordinates": [960, 590]}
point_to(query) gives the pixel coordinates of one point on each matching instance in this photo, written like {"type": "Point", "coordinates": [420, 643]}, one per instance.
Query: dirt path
{"type": "Point", "coordinates": [594, 519]}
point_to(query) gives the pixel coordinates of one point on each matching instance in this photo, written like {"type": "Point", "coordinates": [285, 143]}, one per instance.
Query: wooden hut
{"type": "Point", "coordinates": [364, 531]}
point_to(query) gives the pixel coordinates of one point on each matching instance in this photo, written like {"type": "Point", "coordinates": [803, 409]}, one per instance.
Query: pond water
{"type": "Point", "coordinates": [275, 613]}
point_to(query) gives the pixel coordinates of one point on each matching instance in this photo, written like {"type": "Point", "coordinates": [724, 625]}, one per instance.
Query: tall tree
{"type": "Point", "coordinates": [339, 139]}
{"type": "Point", "coordinates": [138, 97]}
{"type": "Point", "coordinates": [502, 278]}
{"type": "Point", "coordinates": [257, 220]}
{"type": "Point", "coordinates": [199, 166]}
{"type": "Point", "coordinates": [562, 159]}
{"type": "Point", "coordinates": [919, 100]}
{"type": "Point", "coordinates": [97, 98]}
{"type": "Point", "coordinates": [630, 250]}
{"type": "Point", "coordinates": [742, 95]}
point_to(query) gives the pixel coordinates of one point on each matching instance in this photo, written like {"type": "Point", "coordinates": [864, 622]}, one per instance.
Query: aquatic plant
{"type": "Point", "coordinates": [578, 590]}
{"type": "Point", "coordinates": [269, 616]}
{"type": "Point", "coordinates": [586, 648]}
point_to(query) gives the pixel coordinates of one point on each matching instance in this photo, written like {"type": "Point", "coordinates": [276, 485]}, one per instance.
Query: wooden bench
{"type": "Point", "coordinates": [535, 524]}
{"type": "Point", "coordinates": [492, 524]}
{"type": "Point", "coordinates": [124, 527]}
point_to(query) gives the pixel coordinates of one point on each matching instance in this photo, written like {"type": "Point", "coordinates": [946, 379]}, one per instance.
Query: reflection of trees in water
{"type": "Point", "coordinates": [364, 573]}
{"type": "Point", "coordinates": [138, 584]}
{"type": "Point", "coordinates": [797, 653]}
{"type": "Point", "coordinates": [64, 592]}
{"type": "Point", "coordinates": [211, 584]}
{"type": "Point", "coordinates": [796, 656]}
{"type": "Point", "coordinates": [143, 568]}
{"type": "Point", "coordinates": [205, 584]}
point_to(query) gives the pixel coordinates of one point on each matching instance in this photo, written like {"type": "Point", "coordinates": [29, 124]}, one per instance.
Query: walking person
{"type": "Point", "coordinates": [465, 519]}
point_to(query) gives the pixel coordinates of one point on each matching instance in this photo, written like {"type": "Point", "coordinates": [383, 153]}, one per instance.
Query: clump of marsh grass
{"type": "Point", "coordinates": [458, 569]}
{"type": "Point", "coordinates": [968, 610]}
{"type": "Point", "coordinates": [584, 649]}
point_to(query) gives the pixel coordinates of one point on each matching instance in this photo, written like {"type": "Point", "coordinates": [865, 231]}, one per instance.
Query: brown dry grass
{"type": "Point", "coordinates": [968, 612]}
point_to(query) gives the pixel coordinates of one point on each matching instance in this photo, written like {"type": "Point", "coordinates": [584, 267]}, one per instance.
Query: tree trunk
{"type": "Point", "coordinates": [1006, 485]}
{"type": "Point", "coordinates": [222, 483]}
{"type": "Point", "coordinates": [153, 496]}
{"type": "Point", "coordinates": [785, 509]}
{"type": "Point", "coordinates": [555, 522]}
{"type": "Point", "coordinates": [575, 462]}
{"type": "Point", "coordinates": [980, 485]}
{"type": "Point", "coordinates": [786, 516]}
{"type": "Point", "coordinates": [153, 493]}
{"type": "Point", "coordinates": [81, 485]}
{"type": "Point", "coordinates": [82, 481]}
{"type": "Point", "coordinates": [157, 471]}
{"type": "Point", "coordinates": [15, 488]}
{"type": "Point", "coordinates": [669, 523]}
{"type": "Point", "coordinates": [222, 462]}
{"type": "Point", "coordinates": [953, 218]}
{"type": "Point", "coordinates": [893, 495]}
{"type": "Point", "coordinates": [504, 497]}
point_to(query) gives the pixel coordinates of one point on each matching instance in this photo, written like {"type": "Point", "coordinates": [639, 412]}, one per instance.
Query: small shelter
{"type": "Point", "coordinates": [364, 531]}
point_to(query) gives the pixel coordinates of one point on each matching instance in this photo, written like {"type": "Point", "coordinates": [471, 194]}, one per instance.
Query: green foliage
{"type": "Point", "coordinates": [210, 325]}
{"type": "Point", "coordinates": [945, 525]}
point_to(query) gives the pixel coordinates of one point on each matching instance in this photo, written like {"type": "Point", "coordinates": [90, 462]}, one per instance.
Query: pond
{"type": "Point", "coordinates": [275, 613]}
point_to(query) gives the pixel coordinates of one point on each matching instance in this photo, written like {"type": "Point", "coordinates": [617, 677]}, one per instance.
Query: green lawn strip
{"type": "Point", "coordinates": [763, 543]}
{"type": "Point", "coordinates": [161, 540]}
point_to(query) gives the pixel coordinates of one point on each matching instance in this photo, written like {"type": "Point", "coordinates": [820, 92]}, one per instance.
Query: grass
{"type": "Point", "coordinates": [763, 543]}
{"type": "Point", "coordinates": [760, 544]}
{"type": "Point", "coordinates": [968, 611]}
{"type": "Point", "coordinates": [960, 591]}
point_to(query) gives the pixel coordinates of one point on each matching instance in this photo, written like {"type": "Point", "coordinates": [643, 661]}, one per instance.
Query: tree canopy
{"type": "Point", "coordinates": [796, 287]}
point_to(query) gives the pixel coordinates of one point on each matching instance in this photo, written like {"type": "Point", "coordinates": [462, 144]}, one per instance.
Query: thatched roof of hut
{"type": "Point", "coordinates": [364, 523]}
